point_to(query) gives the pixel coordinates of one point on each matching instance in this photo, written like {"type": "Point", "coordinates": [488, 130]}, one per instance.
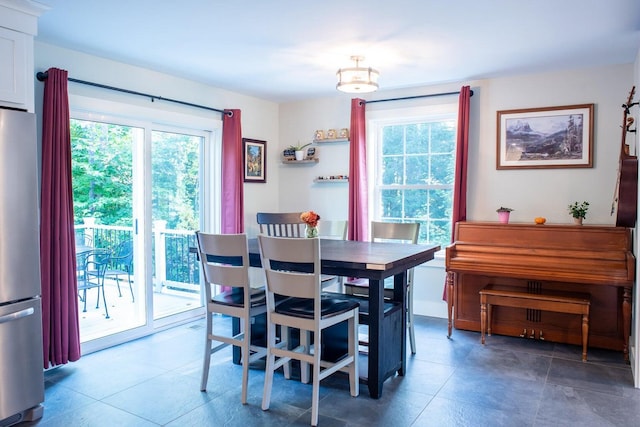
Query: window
{"type": "Point", "coordinates": [414, 174]}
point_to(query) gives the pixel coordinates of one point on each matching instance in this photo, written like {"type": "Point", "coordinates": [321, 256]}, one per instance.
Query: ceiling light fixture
{"type": "Point", "coordinates": [357, 79]}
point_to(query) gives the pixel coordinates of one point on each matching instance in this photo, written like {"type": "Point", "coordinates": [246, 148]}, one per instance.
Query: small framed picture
{"type": "Point", "coordinates": [255, 160]}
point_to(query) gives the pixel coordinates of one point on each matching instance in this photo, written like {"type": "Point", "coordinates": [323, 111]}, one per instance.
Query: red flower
{"type": "Point", "coordinates": [310, 218]}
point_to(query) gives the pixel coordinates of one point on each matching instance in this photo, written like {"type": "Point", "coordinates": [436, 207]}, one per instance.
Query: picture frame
{"type": "Point", "coordinates": [545, 138]}
{"type": "Point", "coordinates": [255, 160]}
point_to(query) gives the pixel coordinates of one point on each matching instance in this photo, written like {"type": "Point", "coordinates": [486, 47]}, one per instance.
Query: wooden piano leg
{"type": "Point", "coordinates": [585, 335]}
{"type": "Point", "coordinates": [483, 317]}
{"type": "Point", "coordinates": [449, 303]}
{"type": "Point", "coordinates": [626, 321]}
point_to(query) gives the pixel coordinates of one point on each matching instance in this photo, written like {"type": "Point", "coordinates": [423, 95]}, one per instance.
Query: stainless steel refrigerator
{"type": "Point", "coordinates": [21, 360]}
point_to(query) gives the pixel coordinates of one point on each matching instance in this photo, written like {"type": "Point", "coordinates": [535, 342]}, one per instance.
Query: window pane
{"type": "Point", "coordinates": [442, 169]}
{"type": "Point", "coordinates": [393, 137]}
{"type": "Point", "coordinates": [443, 137]}
{"type": "Point", "coordinates": [415, 204]}
{"type": "Point", "coordinates": [391, 203]}
{"type": "Point", "coordinates": [417, 169]}
{"type": "Point", "coordinates": [392, 170]}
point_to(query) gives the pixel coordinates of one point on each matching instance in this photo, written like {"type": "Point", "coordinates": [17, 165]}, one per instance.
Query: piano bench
{"type": "Point", "coordinates": [511, 296]}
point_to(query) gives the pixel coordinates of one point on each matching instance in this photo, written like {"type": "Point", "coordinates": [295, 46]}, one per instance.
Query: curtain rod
{"type": "Point", "coordinates": [415, 97]}
{"type": "Point", "coordinates": [42, 76]}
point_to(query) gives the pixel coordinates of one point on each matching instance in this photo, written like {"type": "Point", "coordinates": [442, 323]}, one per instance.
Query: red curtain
{"type": "Point", "coordinates": [462, 160]}
{"type": "Point", "coordinates": [232, 174]}
{"type": "Point", "coordinates": [358, 188]}
{"type": "Point", "coordinates": [60, 327]}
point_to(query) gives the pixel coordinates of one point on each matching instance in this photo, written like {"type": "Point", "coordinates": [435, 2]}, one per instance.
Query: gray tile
{"type": "Point", "coordinates": [568, 406]}
{"type": "Point", "coordinates": [451, 413]}
{"type": "Point", "coordinates": [590, 376]}
{"type": "Point", "coordinates": [163, 398]}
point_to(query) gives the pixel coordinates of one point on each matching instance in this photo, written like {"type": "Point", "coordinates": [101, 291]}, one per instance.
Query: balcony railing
{"type": "Point", "coordinates": [174, 266]}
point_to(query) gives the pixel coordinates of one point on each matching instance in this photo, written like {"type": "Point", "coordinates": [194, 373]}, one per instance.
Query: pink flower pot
{"type": "Point", "coordinates": [503, 217]}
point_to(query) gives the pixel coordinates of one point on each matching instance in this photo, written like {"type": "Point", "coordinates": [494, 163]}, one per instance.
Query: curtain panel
{"type": "Point", "coordinates": [358, 228]}
{"type": "Point", "coordinates": [60, 324]}
{"type": "Point", "coordinates": [232, 174]}
{"type": "Point", "coordinates": [462, 161]}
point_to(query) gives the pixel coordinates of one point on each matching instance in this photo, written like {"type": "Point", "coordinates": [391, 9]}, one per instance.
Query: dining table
{"type": "Point", "coordinates": [376, 261]}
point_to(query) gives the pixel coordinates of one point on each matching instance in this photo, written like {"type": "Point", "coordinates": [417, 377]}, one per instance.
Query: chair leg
{"type": "Point", "coordinates": [271, 360]}
{"type": "Point", "coordinates": [84, 300]}
{"type": "Point", "coordinates": [305, 339]}
{"type": "Point", "coordinates": [104, 299]}
{"type": "Point", "coordinates": [207, 354]}
{"type": "Point", "coordinates": [354, 380]}
{"type": "Point", "coordinates": [118, 283]}
{"type": "Point", "coordinates": [315, 393]}
{"type": "Point", "coordinates": [133, 298]}
{"type": "Point", "coordinates": [412, 332]}
{"type": "Point", "coordinates": [246, 343]}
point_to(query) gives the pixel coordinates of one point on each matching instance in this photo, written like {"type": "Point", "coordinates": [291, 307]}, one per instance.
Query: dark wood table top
{"type": "Point", "coordinates": [372, 260]}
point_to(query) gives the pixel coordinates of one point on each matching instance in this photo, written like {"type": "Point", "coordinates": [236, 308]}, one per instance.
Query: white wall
{"type": "Point", "coordinates": [530, 192]}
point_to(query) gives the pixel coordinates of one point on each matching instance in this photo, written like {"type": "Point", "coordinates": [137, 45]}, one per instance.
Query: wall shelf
{"type": "Point", "coordinates": [298, 162]}
{"type": "Point", "coordinates": [330, 140]}
{"type": "Point", "coordinates": [330, 181]}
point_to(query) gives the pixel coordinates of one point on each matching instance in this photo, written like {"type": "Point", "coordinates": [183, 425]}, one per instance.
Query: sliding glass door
{"type": "Point", "coordinates": [138, 187]}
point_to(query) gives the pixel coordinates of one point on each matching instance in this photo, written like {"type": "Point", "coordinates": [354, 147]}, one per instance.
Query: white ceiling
{"type": "Point", "coordinates": [284, 50]}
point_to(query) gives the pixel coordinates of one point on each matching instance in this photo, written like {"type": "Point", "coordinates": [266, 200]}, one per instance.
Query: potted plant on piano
{"type": "Point", "coordinates": [579, 211]}
{"type": "Point", "coordinates": [503, 214]}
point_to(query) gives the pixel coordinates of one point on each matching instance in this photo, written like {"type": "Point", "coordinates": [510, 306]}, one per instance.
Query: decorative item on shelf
{"type": "Point", "coordinates": [540, 220]}
{"type": "Point", "coordinates": [319, 134]}
{"type": "Point", "coordinates": [344, 133]}
{"type": "Point", "coordinates": [333, 178]}
{"type": "Point", "coordinates": [310, 218]}
{"type": "Point", "coordinates": [299, 150]}
{"type": "Point", "coordinates": [331, 134]}
{"type": "Point", "coordinates": [503, 214]}
{"type": "Point", "coordinates": [579, 211]}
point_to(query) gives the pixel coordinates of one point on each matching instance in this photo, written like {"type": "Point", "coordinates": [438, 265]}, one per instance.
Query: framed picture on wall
{"type": "Point", "coordinates": [255, 160]}
{"type": "Point", "coordinates": [542, 138]}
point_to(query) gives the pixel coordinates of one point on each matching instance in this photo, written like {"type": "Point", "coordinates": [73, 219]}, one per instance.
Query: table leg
{"type": "Point", "coordinates": [376, 317]}
{"type": "Point", "coordinates": [400, 294]}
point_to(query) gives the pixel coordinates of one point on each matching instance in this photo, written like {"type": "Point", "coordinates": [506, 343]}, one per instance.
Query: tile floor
{"type": "Point", "coordinates": [458, 382]}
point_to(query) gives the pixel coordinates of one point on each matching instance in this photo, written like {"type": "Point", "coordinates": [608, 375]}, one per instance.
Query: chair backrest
{"type": "Point", "coordinates": [96, 262]}
{"type": "Point", "coordinates": [123, 253]}
{"type": "Point", "coordinates": [278, 254]}
{"type": "Point", "coordinates": [332, 229]}
{"type": "Point", "coordinates": [281, 224]}
{"type": "Point", "coordinates": [225, 261]}
{"type": "Point", "coordinates": [407, 232]}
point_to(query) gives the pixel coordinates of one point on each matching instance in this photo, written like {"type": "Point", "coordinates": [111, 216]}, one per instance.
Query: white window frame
{"type": "Point", "coordinates": [376, 121]}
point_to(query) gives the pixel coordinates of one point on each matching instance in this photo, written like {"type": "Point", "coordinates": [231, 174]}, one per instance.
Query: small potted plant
{"type": "Point", "coordinates": [503, 214]}
{"type": "Point", "coordinates": [578, 211]}
{"type": "Point", "coordinates": [299, 149]}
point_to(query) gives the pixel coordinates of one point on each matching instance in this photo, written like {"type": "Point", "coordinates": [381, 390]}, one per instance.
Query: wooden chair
{"type": "Point", "coordinates": [225, 261]}
{"type": "Point", "coordinates": [281, 224]}
{"type": "Point", "coordinates": [306, 310]}
{"type": "Point", "coordinates": [391, 232]}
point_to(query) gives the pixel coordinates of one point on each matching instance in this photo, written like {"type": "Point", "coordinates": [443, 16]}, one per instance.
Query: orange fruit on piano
{"type": "Point", "coordinates": [540, 220]}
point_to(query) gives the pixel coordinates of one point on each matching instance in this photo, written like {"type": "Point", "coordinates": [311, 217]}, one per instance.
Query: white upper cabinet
{"type": "Point", "coordinates": [18, 27]}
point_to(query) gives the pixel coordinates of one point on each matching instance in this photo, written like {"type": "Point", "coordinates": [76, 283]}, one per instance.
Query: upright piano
{"type": "Point", "coordinates": [575, 258]}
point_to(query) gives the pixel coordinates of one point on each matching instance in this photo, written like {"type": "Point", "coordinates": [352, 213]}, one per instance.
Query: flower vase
{"type": "Point", "coordinates": [503, 217]}
{"type": "Point", "coordinates": [311, 231]}
{"type": "Point", "coordinates": [577, 221]}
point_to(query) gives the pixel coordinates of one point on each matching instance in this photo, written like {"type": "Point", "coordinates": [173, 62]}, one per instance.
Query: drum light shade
{"type": "Point", "coordinates": [357, 79]}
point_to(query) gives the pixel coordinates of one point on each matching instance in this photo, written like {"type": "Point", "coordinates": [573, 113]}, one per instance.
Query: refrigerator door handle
{"type": "Point", "coordinates": [17, 315]}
